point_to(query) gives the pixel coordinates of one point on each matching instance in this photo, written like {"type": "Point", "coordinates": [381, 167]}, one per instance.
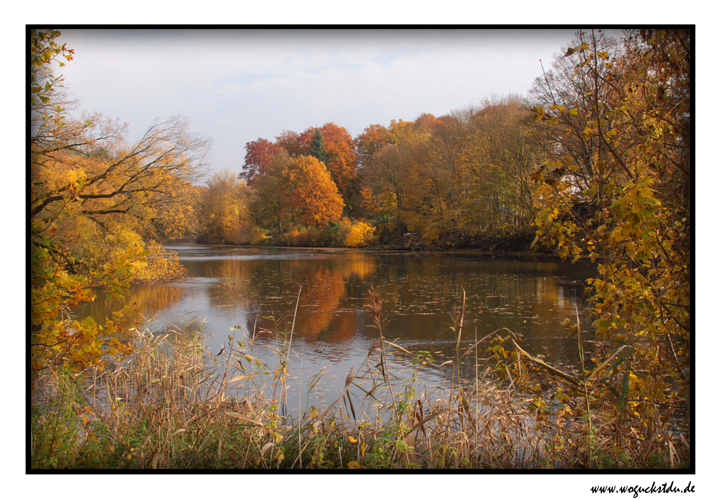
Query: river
{"type": "Point", "coordinates": [231, 291]}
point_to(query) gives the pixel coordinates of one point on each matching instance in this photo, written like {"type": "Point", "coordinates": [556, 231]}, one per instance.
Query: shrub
{"type": "Point", "coordinates": [258, 236]}
{"type": "Point", "coordinates": [330, 235]}
{"type": "Point", "coordinates": [301, 237]}
{"type": "Point", "coordinates": [353, 233]}
{"type": "Point", "coordinates": [359, 235]}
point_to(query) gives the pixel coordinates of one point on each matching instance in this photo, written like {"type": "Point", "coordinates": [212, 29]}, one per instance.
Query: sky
{"type": "Point", "coordinates": [239, 85]}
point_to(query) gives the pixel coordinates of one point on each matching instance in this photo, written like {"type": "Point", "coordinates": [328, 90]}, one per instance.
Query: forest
{"type": "Point", "coordinates": [595, 163]}
{"type": "Point", "coordinates": [458, 181]}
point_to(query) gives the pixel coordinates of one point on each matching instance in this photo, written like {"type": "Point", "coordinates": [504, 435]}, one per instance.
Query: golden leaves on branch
{"type": "Point", "coordinates": [96, 203]}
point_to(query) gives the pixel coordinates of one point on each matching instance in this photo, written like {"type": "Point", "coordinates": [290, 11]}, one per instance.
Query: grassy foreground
{"type": "Point", "coordinates": [174, 405]}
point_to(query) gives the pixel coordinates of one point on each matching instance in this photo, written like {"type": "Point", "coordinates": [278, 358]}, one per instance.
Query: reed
{"type": "Point", "coordinates": [175, 405]}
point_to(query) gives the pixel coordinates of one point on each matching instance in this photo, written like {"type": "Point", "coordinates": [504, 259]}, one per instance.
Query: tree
{"type": "Point", "coordinates": [317, 149]}
{"type": "Point", "coordinates": [570, 85]}
{"type": "Point", "coordinates": [257, 155]}
{"type": "Point", "coordinates": [339, 153]}
{"type": "Point", "coordinates": [622, 194]}
{"type": "Point", "coordinates": [292, 143]}
{"type": "Point", "coordinates": [342, 159]}
{"type": "Point", "coordinates": [459, 179]}
{"type": "Point", "coordinates": [268, 206]}
{"type": "Point", "coordinates": [498, 160]}
{"type": "Point", "coordinates": [385, 178]}
{"type": "Point", "coordinates": [367, 143]}
{"type": "Point", "coordinates": [96, 205]}
{"type": "Point", "coordinates": [311, 195]}
{"type": "Point", "coordinates": [224, 213]}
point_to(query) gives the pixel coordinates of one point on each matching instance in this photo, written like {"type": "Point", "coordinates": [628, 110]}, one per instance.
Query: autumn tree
{"type": "Point", "coordinates": [615, 188]}
{"type": "Point", "coordinates": [225, 215]}
{"type": "Point", "coordinates": [569, 84]}
{"type": "Point", "coordinates": [293, 144]}
{"type": "Point", "coordinates": [456, 180]}
{"type": "Point", "coordinates": [387, 185]}
{"type": "Point", "coordinates": [96, 205]}
{"type": "Point", "coordinates": [497, 161]}
{"type": "Point", "coordinates": [342, 161]}
{"type": "Point", "coordinates": [382, 197]}
{"type": "Point", "coordinates": [397, 178]}
{"type": "Point", "coordinates": [436, 169]}
{"type": "Point", "coordinates": [338, 150]}
{"type": "Point", "coordinates": [410, 180]}
{"type": "Point", "coordinates": [310, 194]}
{"type": "Point", "coordinates": [367, 143]}
{"type": "Point", "coordinates": [268, 205]}
{"type": "Point", "coordinates": [256, 163]}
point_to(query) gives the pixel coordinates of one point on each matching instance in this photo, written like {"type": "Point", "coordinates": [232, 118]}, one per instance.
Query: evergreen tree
{"type": "Point", "coordinates": [317, 148]}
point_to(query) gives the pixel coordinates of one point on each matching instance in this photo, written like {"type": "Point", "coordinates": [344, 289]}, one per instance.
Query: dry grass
{"type": "Point", "coordinates": [173, 404]}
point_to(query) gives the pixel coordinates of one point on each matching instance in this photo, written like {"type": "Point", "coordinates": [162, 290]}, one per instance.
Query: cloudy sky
{"type": "Point", "coordinates": [238, 85]}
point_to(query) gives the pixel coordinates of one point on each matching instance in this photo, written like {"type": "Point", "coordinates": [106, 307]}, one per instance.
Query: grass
{"type": "Point", "coordinates": [174, 405]}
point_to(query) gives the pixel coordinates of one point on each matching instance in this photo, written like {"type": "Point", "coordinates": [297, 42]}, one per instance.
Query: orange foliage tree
{"type": "Point", "coordinates": [367, 143]}
{"type": "Point", "coordinates": [312, 196]}
{"type": "Point", "coordinates": [292, 143]}
{"type": "Point", "coordinates": [268, 205]}
{"type": "Point", "coordinates": [342, 159]}
{"type": "Point", "coordinates": [339, 147]}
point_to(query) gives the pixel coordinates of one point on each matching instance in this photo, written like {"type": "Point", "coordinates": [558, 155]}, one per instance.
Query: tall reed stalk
{"type": "Point", "coordinates": [580, 345]}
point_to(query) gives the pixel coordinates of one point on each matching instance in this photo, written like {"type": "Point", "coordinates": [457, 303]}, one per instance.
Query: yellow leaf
{"type": "Point", "coordinates": [354, 465]}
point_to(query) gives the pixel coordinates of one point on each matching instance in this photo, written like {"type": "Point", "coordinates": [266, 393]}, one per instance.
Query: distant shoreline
{"type": "Point", "coordinates": [467, 252]}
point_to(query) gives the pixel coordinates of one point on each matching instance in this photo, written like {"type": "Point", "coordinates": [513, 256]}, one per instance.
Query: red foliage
{"type": "Point", "coordinates": [294, 145]}
{"type": "Point", "coordinates": [257, 154]}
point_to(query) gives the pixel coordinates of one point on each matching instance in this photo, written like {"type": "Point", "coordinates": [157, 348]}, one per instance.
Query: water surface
{"type": "Point", "coordinates": [239, 291]}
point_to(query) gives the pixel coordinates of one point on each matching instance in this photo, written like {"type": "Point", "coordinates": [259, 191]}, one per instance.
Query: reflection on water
{"type": "Point", "coordinates": [257, 290]}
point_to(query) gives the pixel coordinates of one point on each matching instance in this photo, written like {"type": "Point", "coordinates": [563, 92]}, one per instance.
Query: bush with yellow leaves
{"type": "Point", "coordinates": [357, 233]}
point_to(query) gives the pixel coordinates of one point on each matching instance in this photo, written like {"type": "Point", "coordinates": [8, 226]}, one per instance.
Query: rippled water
{"type": "Point", "coordinates": [236, 291]}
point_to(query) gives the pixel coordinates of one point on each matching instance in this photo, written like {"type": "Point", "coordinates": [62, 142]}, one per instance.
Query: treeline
{"type": "Point", "coordinates": [460, 180]}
